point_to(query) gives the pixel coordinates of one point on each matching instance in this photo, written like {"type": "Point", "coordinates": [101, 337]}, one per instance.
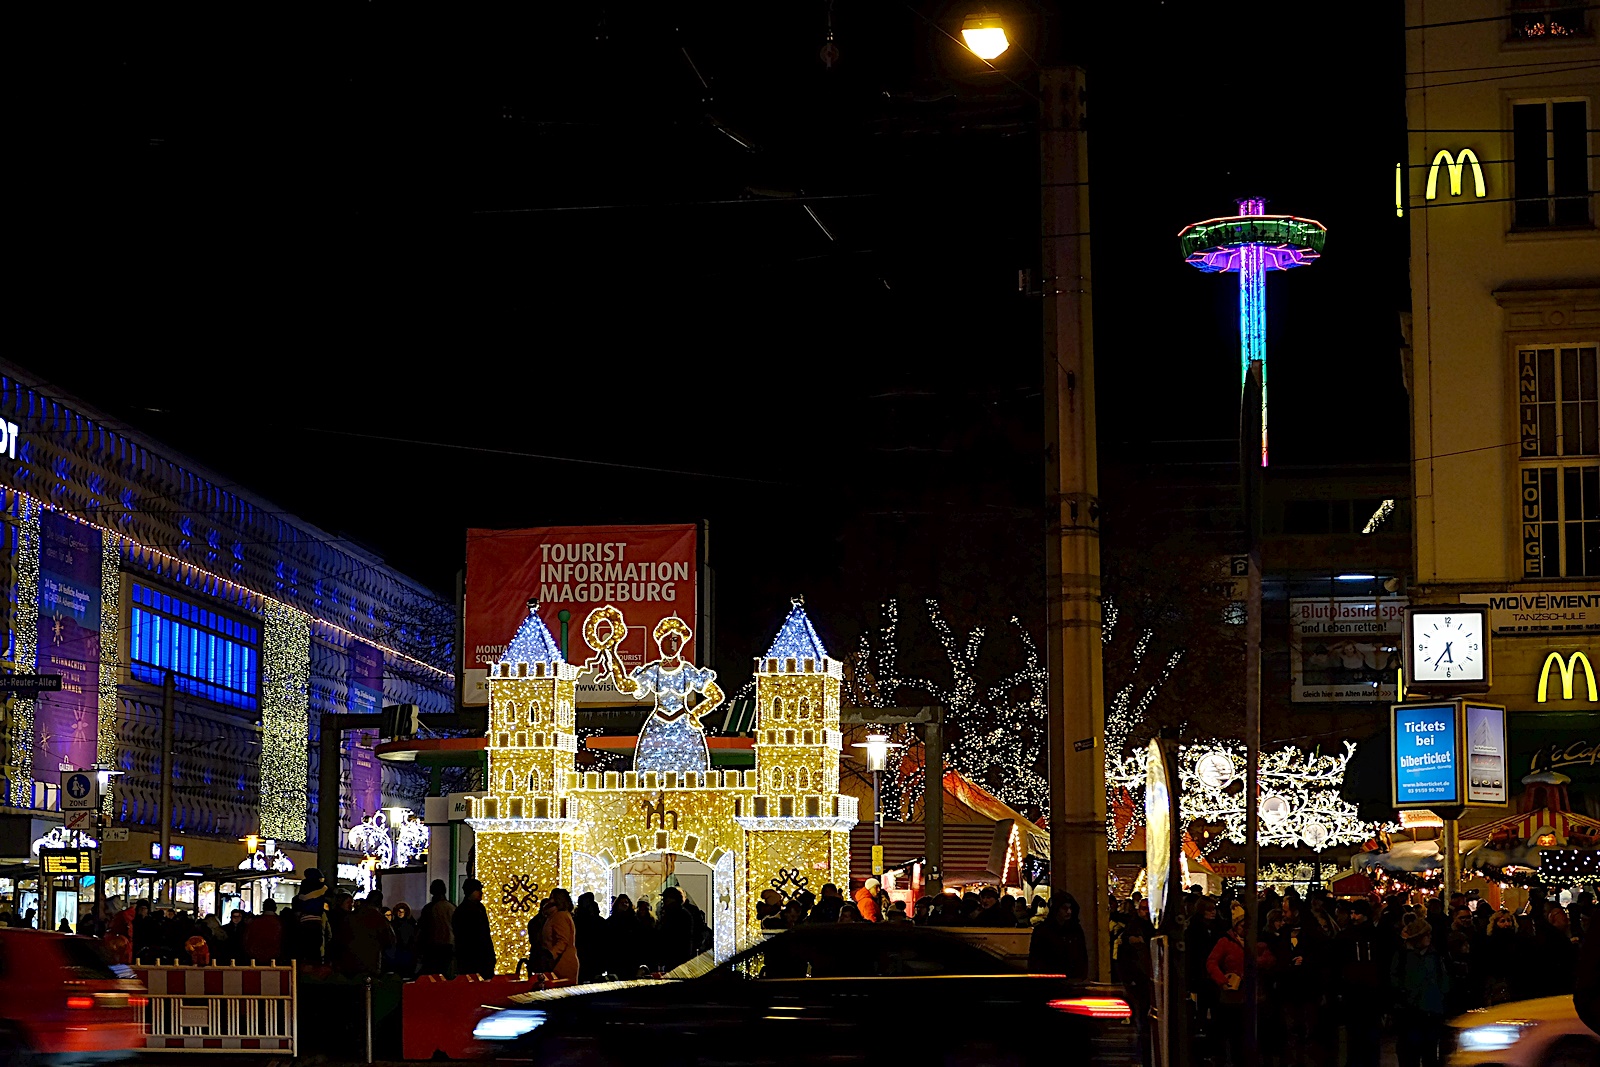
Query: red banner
{"type": "Point", "coordinates": [650, 572]}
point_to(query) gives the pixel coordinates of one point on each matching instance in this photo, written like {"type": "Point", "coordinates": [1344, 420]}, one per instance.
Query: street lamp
{"type": "Point", "coordinates": [985, 35]}
{"type": "Point", "coordinates": [877, 746]}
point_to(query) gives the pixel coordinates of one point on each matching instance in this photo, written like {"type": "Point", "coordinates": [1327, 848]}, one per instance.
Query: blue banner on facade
{"type": "Point", "coordinates": [364, 666]}
{"type": "Point", "coordinates": [66, 724]}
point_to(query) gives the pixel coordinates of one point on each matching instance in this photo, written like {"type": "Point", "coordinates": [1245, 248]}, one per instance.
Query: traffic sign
{"type": "Point", "coordinates": [116, 833]}
{"type": "Point", "coordinates": [78, 820]}
{"type": "Point", "coordinates": [79, 791]}
{"type": "Point", "coordinates": [30, 685]}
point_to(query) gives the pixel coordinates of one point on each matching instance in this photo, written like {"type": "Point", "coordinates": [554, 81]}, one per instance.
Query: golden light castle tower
{"type": "Point", "coordinates": [798, 825]}
{"type": "Point", "coordinates": [734, 835]}
{"type": "Point", "coordinates": [525, 821]}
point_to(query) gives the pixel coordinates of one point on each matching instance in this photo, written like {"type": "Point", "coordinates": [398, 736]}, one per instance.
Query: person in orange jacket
{"type": "Point", "coordinates": [867, 901]}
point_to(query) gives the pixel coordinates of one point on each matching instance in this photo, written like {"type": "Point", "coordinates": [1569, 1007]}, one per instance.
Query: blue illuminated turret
{"type": "Point", "coordinates": [797, 639]}
{"type": "Point", "coordinates": [533, 642]}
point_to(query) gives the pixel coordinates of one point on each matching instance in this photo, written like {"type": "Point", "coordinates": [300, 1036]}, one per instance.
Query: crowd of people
{"type": "Point", "coordinates": [1332, 972]}
{"type": "Point", "coordinates": [1333, 968]}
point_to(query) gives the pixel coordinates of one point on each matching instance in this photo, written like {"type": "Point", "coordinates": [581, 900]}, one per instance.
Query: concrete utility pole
{"type": "Point", "coordinates": [1072, 514]}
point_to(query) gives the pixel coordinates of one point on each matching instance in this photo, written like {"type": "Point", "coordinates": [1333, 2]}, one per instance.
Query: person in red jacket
{"type": "Point", "coordinates": [263, 936]}
{"type": "Point", "coordinates": [1225, 967]}
{"type": "Point", "coordinates": [867, 901]}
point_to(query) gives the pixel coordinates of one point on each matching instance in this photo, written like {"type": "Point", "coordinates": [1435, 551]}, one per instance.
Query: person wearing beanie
{"type": "Point", "coordinates": [867, 900]}
{"type": "Point", "coordinates": [1420, 979]}
{"type": "Point", "coordinates": [1225, 968]}
{"type": "Point", "coordinates": [310, 910]}
{"type": "Point", "coordinates": [1358, 959]}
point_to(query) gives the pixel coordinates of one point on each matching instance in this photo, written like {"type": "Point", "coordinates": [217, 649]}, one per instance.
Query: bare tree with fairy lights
{"type": "Point", "coordinates": [994, 732]}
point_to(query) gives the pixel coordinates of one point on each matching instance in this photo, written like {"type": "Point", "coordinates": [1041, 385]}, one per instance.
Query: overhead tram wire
{"type": "Point", "coordinates": [1500, 77]}
{"type": "Point", "coordinates": [647, 206]}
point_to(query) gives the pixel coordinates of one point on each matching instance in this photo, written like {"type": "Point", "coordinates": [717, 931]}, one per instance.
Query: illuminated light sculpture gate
{"type": "Point", "coordinates": [783, 827]}
{"type": "Point", "coordinates": [1249, 244]}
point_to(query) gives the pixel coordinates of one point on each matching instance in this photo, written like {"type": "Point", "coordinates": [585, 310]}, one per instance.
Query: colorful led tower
{"type": "Point", "coordinates": [1250, 244]}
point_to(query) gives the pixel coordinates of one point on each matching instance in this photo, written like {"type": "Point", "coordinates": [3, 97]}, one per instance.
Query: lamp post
{"type": "Point", "coordinates": [877, 746]}
{"type": "Point", "coordinates": [1076, 700]}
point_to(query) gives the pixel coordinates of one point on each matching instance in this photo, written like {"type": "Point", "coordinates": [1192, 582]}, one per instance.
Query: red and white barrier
{"type": "Point", "coordinates": [220, 1009]}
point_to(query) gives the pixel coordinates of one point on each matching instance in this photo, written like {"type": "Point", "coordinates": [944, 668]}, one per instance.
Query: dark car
{"type": "Point", "coordinates": [834, 994]}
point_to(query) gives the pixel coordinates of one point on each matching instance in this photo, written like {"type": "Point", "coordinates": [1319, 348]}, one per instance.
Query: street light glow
{"type": "Point", "coordinates": [984, 35]}
{"type": "Point", "coordinates": [877, 751]}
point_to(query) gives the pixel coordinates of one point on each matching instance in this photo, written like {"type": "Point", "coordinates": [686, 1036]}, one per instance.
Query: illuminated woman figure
{"type": "Point", "coordinates": [672, 738]}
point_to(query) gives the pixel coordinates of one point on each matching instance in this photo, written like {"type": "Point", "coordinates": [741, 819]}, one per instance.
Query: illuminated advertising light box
{"type": "Point", "coordinates": [1449, 754]}
{"type": "Point", "coordinates": [1425, 765]}
{"type": "Point", "coordinates": [649, 572]}
{"type": "Point", "coordinates": [1487, 765]}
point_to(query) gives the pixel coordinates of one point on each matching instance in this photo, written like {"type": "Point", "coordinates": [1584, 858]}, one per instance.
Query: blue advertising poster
{"type": "Point", "coordinates": [1426, 750]}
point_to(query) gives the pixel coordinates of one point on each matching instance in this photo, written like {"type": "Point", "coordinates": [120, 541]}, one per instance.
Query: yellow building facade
{"type": "Point", "coordinates": [726, 835]}
{"type": "Point", "coordinates": [1502, 337]}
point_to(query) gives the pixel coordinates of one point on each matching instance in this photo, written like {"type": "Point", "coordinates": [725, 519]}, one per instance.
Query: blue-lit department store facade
{"type": "Point", "coordinates": [125, 562]}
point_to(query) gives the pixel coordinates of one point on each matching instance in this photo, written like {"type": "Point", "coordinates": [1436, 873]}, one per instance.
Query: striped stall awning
{"type": "Point", "coordinates": [1528, 825]}
{"type": "Point", "coordinates": [968, 849]}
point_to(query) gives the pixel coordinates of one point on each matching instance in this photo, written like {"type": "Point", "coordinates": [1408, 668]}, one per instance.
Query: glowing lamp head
{"type": "Point", "coordinates": [251, 843]}
{"type": "Point", "coordinates": [877, 746]}
{"type": "Point", "coordinates": [984, 35]}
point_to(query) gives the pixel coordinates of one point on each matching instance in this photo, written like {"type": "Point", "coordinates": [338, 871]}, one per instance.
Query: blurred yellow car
{"type": "Point", "coordinates": [1524, 1033]}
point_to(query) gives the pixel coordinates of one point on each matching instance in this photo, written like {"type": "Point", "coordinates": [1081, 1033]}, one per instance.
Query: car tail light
{"type": "Point", "coordinates": [80, 1003]}
{"type": "Point", "coordinates": [1094, 1007]}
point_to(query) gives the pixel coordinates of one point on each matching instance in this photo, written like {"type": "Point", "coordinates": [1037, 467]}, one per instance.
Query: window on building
{"type": "Point", "coordinates": [1550, 151]}
{"type": "Point", "coordinates": [1558, 400]}
{"type": "Point", "coordinates": [1544, 20]}
{"type": "Point", "coordinates": [210, 655]}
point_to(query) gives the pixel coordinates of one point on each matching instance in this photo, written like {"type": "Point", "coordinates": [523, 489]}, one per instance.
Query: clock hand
{"type": "Point", "coordinates": [1445, 655]}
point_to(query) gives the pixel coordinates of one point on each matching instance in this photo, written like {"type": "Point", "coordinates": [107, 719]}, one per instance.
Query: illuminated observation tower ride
{"type": "Point", "coordinates": [1250, 244]}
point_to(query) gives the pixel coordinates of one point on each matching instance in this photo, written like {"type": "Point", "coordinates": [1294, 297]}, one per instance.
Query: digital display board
{"type": "Point", "coordinates": [1426, 750]}
{"type": "Point", "coordinates": [1485, 747]}
{"type": "Point", "coordinates": [75, 861]}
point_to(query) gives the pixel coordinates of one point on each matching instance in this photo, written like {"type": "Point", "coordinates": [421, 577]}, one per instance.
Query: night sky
{"type": "Point", "coordinates": [396, 267]}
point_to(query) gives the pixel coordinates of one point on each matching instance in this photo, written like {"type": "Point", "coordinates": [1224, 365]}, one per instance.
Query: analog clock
{"type": "Point", "coordinates": [1448, 646]}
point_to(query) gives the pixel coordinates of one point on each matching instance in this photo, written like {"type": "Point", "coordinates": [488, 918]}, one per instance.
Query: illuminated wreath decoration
{"type": "Point", "coordinates": [591, 628]}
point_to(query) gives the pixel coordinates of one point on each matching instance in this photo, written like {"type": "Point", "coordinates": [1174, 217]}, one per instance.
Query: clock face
{"type": "Point", "coordinates": [1447, 647]}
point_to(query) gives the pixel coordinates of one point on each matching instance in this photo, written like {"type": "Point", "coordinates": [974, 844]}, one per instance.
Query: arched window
{"type": "Point", "coordinates": [533, 780]}
{"type": "Point", "coordinates": [791, 782]}
{"type": "Point", "coordinates": [777, 709]}
{"type": "Point", "coordinates": [805, 709]}
{"type": "Point", "coordinates": [511, 782]}
{"type": "Point", "coordinates": [777, 780]}
{"type": "Point", "coordinates": [805, 779]}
